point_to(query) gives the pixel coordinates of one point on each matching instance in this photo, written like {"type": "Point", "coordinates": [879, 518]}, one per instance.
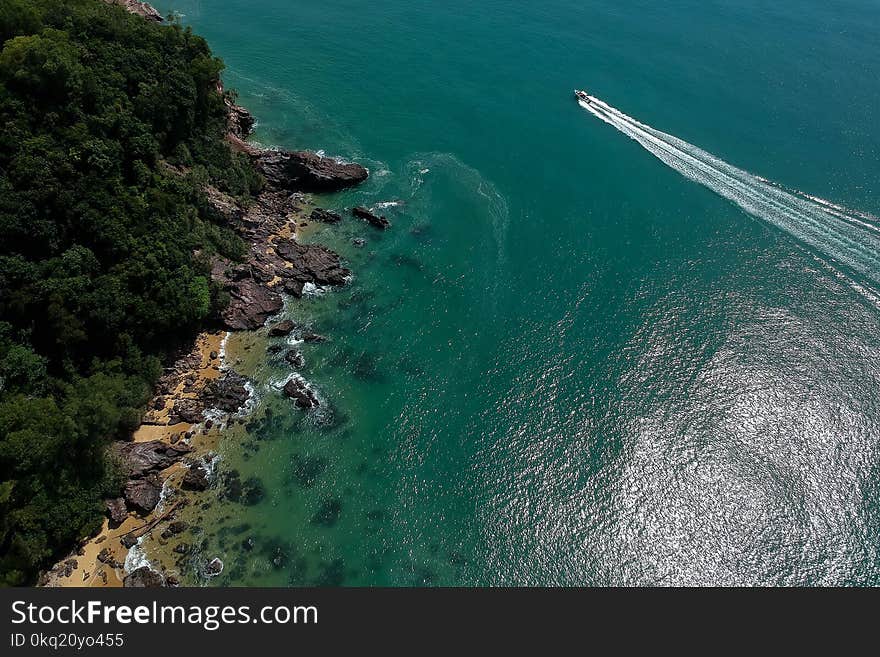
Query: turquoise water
{"type": "Point", "coordinates": [567, 363]}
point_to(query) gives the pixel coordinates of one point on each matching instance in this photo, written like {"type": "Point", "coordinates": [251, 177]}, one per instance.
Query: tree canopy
{"type": "Point", "coordinates": [111, 128]}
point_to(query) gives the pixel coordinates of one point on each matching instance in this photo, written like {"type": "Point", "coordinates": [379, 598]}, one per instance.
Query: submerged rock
{"type": "Point", "coordinates": [372, 219]}
{"type": "Point", "coordinates": [308, 172]}
{"type": "Point", "coordinates": [328, 513]}
{"type": "Point", "coordinates": [325, 216]}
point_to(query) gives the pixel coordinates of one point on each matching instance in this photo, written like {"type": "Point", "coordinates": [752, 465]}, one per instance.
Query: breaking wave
{"type": "Point", "coordinates": [849, 237]}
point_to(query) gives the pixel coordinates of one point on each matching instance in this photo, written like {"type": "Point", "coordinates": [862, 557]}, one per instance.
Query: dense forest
{"type": "Point", "coordinates": [110, 127]}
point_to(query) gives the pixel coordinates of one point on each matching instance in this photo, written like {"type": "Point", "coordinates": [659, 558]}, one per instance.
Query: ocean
{"type": "Point", "coordinates": [591, 350]}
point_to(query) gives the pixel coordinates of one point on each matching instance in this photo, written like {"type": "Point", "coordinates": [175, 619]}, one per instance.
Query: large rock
{"type": "Point", "coordinates": [295, 358]}
{"type": "Point", "coordinates": [241, 121]}
{"type": "Point", "coordinates": [251, 303]}
{"type": "Point", "coordinates": [372, 219]}
{"type": "Point", "coordinates": [214, 567]}
{"type": "Point", "coordinates": [228, 393]}
{"type": "Point", "coordinates": [139, 459]}
{"type": "Point", "coordinates": [298, 391]}
{"type": "Point", "coordinates": [143, 577]}
{"type": "Point", "coordinates": [142, 495]}
{"type": "Point", "coordinates": [189, 410]}
{"type": "Point", "coordinates": [196, 478]}
{"type": "Point", "coordinates": [116, 511]}
{"type": "Point", "coordinates": [308, 172]}
{"type": "Point", "coordinates": [325, 216]}
{"type": "Point", "coordinates": [283, 327]}
{"type": "Point", "coordinates": [312, 263]}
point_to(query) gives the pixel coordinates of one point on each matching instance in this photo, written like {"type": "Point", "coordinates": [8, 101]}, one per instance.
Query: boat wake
{"type": "Point", "coordinates": [849, 237]}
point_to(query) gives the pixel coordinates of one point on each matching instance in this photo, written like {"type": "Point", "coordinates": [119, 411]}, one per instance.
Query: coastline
{"type": "Point", "coordinates": [170, 457]}
{"type": "Point", "coordinates": [99, 560]}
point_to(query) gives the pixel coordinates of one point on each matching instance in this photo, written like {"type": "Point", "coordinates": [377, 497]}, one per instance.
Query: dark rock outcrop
{"type": "Point", "coordinates": [214, 567]}
{"type": "Point", "coordinates": [139, 459]}
{"type": "Point", "coordinates": [142, 495]}
{"type": "Point", "coordinates": [298, 391]}
{"type": "Point", "coordinates": [223, 207]}
{"type": "Point", "coordinates": [308, 172]}
{"type": "Point", "coordinates": [196, 478]}
{"type": "Point", "coordinates": [143, 577]}
{"type": "Point", "coordinates": [282, 328]}
{"type": "Point", "coordinates": [295, 358]}
{"type": "Point", "coordinates": [311, 263]}
{"type": "Point", "coordinates": [373, 219]}
{"type": "Point", "coordinates": [251, 303]}
{"type": "Point", "coordinates": [325, 216]}
{"type": "Point", "coordinates": [239, 119]}
{"type": "Point", "coordinates": [189, 410]}
{"type": "Point", "coordinates": [228, 393]}
{"type": "Point", "coordinates": [106, 557]}
{"type": "Point", "coordinates": [116, 511]}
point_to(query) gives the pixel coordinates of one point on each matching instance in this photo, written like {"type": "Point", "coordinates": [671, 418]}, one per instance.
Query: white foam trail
{"type": "Point", "coordinates": [849, 237]}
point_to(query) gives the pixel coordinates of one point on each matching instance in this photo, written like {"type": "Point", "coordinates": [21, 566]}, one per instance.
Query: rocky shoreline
{"type": "Point", "coordinates": [164, 460]}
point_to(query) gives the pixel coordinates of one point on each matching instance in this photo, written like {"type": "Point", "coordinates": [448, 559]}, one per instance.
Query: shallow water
{"type": "Point", "coordinates": [566, 363]}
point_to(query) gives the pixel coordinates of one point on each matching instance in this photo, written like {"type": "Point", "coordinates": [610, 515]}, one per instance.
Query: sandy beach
{"type": "Point", "coordinates": [100, 559]}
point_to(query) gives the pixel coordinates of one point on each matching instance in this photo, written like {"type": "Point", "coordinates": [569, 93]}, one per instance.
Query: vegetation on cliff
{"type": "Point", "coordinates": [111, 127]}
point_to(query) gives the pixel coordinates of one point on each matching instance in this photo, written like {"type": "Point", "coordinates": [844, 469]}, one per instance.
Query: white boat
{"type": "Point", "coordinates": [582, 95]}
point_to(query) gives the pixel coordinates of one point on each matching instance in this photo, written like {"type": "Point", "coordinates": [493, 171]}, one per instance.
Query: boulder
{"type": "Point", "coordinates": [143, 577]}
{"type": "Point", "coordinates": [140, 459]}
{"type": "Point", "coordinates": [308, 172]}
{"type": "Point", "coordinates": [187, 410]}
{"type": "Point", "coordinates": [325, 216]}
{"type": "Point", "coordinates": [251, 303]}
{"type": "Point", "coordinates": [297, 390]}
{"type": "Point", "coordinates": [228, 393]}
{"type": "Point", "coordinates": [142, 495]}
{"type": "Point", "coordinates": [116, 511]}
{"type": "Point", "coordinates": [311, 263]}
{"type": "Point", "coordinates": [105, 556]}
{"type": "Point", "coordinates": [178, 527]}
{"type": "Point", "coordinates": [196, 478]}
{"type": "Point", "coordinates": [295, 358]}
{"type": "Point", "coordinates": [282, 328]}
{"type": "Point", "coordinates": [372, 219]}
{"type": "Point", "coordinates": [312, 337]}
{"type": "Point", "coordinates": [214, 567]}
